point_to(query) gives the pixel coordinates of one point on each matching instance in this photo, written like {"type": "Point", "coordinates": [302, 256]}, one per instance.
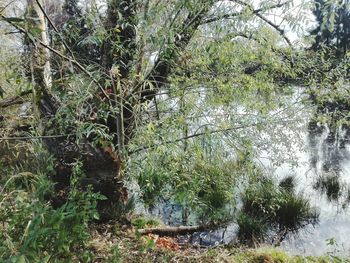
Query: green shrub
{"type": "Point", "coordinates": [142, 222]}
{"type": "Point", "coordinates": [294, 212]}
{"type": "Point", "coordinates": [33, 231]}
{"type": "Point", "coordinates": [152, 183]}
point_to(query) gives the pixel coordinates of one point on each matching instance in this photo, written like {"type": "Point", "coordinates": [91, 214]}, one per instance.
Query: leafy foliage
{"type": "Point", "coordinates": [177, 99]}
{"type": "Point", "coordinates": [31, 229]}
{"type": "Point", "coordinates": [333, 20]}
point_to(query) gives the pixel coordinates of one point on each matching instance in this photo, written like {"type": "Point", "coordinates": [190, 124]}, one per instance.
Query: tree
{"type": "Point", "coordinates": [114, 64]}
{"type": "Point", "coordinates": [333, 20]}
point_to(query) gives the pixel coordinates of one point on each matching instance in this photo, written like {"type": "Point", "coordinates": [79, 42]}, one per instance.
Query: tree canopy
{"type": "Point", "coordinates": [333, 20]}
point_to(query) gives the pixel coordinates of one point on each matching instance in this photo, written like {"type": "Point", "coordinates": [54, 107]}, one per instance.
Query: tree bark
{"type": "Point", "coordinates": [40, 66]}
{"type": "Point", "coordinates": [12, 101]}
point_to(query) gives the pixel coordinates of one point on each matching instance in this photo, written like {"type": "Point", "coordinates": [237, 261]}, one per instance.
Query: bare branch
{"type": "Point", "coordinates": [222, 17]}
{"type": "Point", "coordinates": [196, 134]}
{"type": "Point", "coordinates": [180, 230]}
{"type": "Point", "coordinates": [23, 138]}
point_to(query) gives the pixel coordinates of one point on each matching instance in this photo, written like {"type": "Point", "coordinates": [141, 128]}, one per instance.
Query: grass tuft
{"type": "Point", "coordinates": [330, 185]}
{"type": "Point", "coordinates": [272, 210]}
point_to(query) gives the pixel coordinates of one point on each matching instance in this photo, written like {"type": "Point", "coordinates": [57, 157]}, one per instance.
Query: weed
{"type": "Point", "coordinates": [142, 222]}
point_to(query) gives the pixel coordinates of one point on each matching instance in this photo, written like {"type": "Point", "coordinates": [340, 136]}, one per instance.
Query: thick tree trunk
{"type": "Point", "coordinates": [101, 169]}
{"type": "Point", "coordinates": [101, 166]}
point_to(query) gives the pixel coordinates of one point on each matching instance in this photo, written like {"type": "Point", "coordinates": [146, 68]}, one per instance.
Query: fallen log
{"type": "Point", "coordinates": [14, 100]}
{"type": "Point", "coordinates": [172, 231]}
{"type": "Point", "coordinates": [11, 101]}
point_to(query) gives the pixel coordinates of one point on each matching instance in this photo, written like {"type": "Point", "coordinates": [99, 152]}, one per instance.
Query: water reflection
{"type": "Point", "coordinates": [325, 177]}
{"type": "Point", "coordinates": [328, 153]}
{"type": "Point", "coordinates": [329, 184]}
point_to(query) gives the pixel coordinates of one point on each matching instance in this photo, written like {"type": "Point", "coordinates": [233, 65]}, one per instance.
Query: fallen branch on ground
{"type": "Point", "coordinates": [171, 231]}
{"type": "Point", "coordinates": [14, 100]}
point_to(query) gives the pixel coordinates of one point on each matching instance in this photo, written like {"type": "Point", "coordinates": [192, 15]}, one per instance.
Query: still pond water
{"type": "Point", "coordinates": [323, 176]}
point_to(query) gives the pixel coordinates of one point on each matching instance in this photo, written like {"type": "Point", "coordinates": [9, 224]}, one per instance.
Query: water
{"type": "Point", "coordinates": [323, 176]}
{"type": "Point", "coordinates": [327, 157]}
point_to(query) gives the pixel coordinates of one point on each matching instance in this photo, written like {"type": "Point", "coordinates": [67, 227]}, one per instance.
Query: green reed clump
{"type": "Point", "coordinates": [271, 210]}
{"type": "Point", "coordinates": [294, 212]}
{"type": "Point", "coordinates": [330, 185]}
{"type": "Point", "coordinates": [251, 229]}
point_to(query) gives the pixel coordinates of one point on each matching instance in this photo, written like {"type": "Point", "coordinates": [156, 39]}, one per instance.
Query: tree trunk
{"type": "Point", "coordinates": [101, 166]}
{"type": "Point", "coordinates": [39, 59]}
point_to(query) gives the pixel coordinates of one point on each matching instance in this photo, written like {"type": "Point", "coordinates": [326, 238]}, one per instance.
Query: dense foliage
{"type": "Point", "coordinates": [333, 29]}
{"type": "Point", "coordinates": [111, 108]}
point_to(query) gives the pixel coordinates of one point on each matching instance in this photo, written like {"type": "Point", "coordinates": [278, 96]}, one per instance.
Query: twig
{"type": "Point", "coordinates": [276, 27]}
{"type": "Point", "coordinates": [3, 9]}
{"type": "Point", "coordinates": [257, 13]}
{"type": "Point", "coordinates": [232, 15]}
{"type": "Point", "coordinates": [188, 137]}
{"type": "Point", "coordinates": [54, 27]}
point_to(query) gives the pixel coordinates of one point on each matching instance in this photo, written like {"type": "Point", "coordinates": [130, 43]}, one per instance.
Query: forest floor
{"type": "Point", "coordinates": [113, 244]}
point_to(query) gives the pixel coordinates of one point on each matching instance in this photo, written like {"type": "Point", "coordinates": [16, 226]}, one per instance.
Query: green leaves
{"type": "Point", "coordinates": [18, 259]}
{"type": "Point", "coordinates": [34, 231]}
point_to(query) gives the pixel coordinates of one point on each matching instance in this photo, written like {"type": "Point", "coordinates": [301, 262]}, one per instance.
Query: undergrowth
{"type": "Point", "coordinates": [31, 230]}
